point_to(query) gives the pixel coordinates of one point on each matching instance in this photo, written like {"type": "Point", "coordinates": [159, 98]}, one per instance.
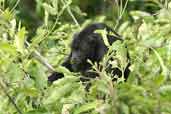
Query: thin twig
{"type": "Point", "coordinates": [3, 86]}
{"type": "Point", "coordinates": [56, 21]}
{"type": "Point", "coordinates": [41, 59]}
{"type": "Point", "coordinates": [112, 90]}
{"type": "Point", "coordinates": [16, 4]}
{"type": "Point", "coordinates": [71, 14]}
{"type": "Point", "coordinates": [121, 12]}
{"type": "Point", "coordinates": [36, 53]}
{"type": "Point", "coordinates": [161, 61]}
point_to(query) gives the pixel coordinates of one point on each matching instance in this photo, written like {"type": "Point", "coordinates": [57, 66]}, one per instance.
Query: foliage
{"type": "Point", "coordinates": [31, 44]}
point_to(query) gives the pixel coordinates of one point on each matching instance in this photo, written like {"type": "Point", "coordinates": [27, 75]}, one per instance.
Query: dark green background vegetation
{"type": "Point", "coordinates": [36, 34]}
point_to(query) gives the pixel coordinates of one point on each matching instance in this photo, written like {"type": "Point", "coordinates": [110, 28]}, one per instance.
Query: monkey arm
{"type": "Point", "coordinates": [57, 75]}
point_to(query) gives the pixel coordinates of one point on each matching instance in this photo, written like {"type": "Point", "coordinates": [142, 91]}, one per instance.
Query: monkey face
{"type": "Point", "coordinates": [81, 51]}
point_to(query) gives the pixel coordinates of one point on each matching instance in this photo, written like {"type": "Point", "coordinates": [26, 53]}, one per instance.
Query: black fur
{"type": "Point", "coordinates": [88, 45]}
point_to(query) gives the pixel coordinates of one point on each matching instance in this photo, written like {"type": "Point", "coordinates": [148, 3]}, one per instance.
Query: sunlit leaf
{"type": "Point", "coordinates": [165, 92]}
{"type": "Point", "coordinates": [20, 39]}
{"type": "Point", "coordinates": [87, 107]}
{"type": "Point", "coordinates": [140, 14]}
{"type": "Point", "coordinates": [4, 46]}
{"type": "Point", "coordinates": [104, 36]}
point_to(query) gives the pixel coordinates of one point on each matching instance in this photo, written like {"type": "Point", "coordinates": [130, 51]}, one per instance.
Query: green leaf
{"type": "Point", "coordinates": [20, 39]}
{"type": "Point", "coordinates": [144, 15]}
{"type": "Point", "coordinates": [7, 15]}
{"type": "Point", "coordinates": [123, 27]}
{"type": "Point", "coordinates": [77, 10]}
{"type": "Point", "coordinates": [8, 48]}
{"type": "Point", "coordinates": [99, 86]}
{"type": "Point", "coordinates": [50, 9]}
{"type": "Point", "coordinates": [37, 72]}
{"type": "Point", "coordinates": [159, 80]}
{"type": "Point", "coordinates": [65, 80]}
{"type": "Point", "coordinates": [59, 93]}
{"type": "Point", "coordinates": [13, 27]}
{"type": "Point", "coordinates": [165, 92]}
{"type": "Point", "coordinates": [87, 107]}
{"type": "Point", "coordinates": [32, 92]}
{"type": "Point", "coordinates": [14, 72]}
{"type": "Point", "coordinates": [37, 111]}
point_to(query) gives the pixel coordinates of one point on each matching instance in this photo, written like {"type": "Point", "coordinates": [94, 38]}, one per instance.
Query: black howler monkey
{"type": "Point", "coordinates": [89, 45]}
